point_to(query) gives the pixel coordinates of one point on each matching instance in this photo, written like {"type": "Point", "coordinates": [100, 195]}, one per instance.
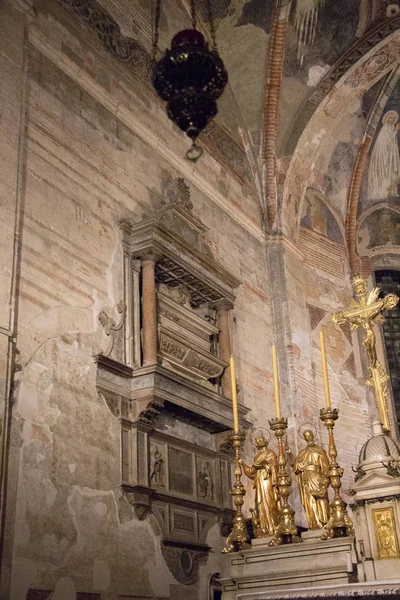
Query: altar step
{"type": "Point", "coordinates": [263, 568]}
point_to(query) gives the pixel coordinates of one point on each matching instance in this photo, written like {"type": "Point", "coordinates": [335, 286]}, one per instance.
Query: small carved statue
{"type": "Point", "coordinates": [205, 481]}
{"type": "Point", "coordinates": [264, 473]}
{"type": "Point", "coordinates": [312, 469]}
{"type": "Point", "coordinates": [157, 469]}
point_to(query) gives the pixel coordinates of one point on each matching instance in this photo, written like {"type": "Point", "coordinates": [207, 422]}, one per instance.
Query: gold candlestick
{"type": "Point", "coordinates": [339, 523]}
{"type": "Point", "coordinates": [238, 537]}
{"type": "Point", "coordinates": [286, 531]}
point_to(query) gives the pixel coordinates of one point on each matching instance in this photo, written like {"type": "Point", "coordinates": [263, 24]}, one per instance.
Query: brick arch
{"type": "Point", "coordinates": [340, 102]}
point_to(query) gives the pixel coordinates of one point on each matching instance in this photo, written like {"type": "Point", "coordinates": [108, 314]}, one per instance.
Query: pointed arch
{"type": "Point", "coordinates": [342, 100]}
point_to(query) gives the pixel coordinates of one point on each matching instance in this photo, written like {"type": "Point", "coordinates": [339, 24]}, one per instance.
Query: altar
{"type": "Point", "coordinates": [346, 551]}
{"type": "Point", "coordinates": [309, 564]}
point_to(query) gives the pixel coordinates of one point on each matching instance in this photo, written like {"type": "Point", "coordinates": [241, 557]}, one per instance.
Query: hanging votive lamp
{"type": "Point", "coordinates": [190, 77]}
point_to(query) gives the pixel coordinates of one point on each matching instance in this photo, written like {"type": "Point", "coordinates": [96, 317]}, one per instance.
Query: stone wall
{"type": "Point", "coordinates": [93, 145]}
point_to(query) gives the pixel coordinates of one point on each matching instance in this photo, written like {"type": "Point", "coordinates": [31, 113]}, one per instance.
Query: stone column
{"type": "Point", "coordinates": [15, 17]}
{"type": "Point", "coordinates": [149, 311]}
{"type": "Point", "coordinates": [224, 344]}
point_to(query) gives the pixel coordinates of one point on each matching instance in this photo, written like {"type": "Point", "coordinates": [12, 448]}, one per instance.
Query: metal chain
{"type": "Point", "coordinates": [211, 22]}
{"type": "Point", "coordinates": [156, 29]}
{"type": "Point", "coordinates": [193, 11]}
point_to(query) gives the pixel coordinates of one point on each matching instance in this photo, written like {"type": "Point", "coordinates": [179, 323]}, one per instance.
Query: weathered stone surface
{"type": "Point", "coordinates": [97, 148]}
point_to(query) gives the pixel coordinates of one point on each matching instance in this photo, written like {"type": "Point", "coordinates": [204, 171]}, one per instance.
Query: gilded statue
{"type": "Point", "coordinates": [264, 472]}
{"type": "Point", "coordinates": [362, 312]}
{"type": "Point", "coordinates": [311, 467]}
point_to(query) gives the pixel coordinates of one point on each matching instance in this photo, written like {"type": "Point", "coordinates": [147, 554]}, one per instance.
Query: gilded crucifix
{"type": "Point", "coordinates": [362, 312]}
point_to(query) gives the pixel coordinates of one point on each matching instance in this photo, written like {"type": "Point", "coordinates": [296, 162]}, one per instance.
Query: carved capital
{"type": "Point", "coordinates": [149, 257]}
{"type": "Point", "coordinates": [223, 306]}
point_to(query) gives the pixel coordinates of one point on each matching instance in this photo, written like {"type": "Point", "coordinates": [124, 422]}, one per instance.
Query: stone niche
{"type": "Point", "coordinates": [164, 375]}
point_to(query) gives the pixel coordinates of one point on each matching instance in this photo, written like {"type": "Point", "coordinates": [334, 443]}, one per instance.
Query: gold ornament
{"type": "Point", "coordinates": [264, 474]}
{"type": "Point", "coordinates": [286, 530]}
{"type": "Point", "coordinates": [339, 523]}
{"type": "Point", "coordinates": [238, 537]}
{"type": "Point", "coordinates": [311, 467]}
{"type": "Point", "coordinates": [385, 533]}
{"type": "Point", "coordinates": [363, 312]}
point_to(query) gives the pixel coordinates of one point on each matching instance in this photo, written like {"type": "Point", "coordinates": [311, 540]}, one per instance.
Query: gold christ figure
{"type": "Point", "coordinates": [362, 312]}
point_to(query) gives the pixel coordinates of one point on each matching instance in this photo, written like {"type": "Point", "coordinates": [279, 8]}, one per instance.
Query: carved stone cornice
{"type": "Point", "coordinates": [109, 364]}
{"type": "Point", "coordinates": [181, 263]}
{"type": "Point", "coordinates": [154, 389]}
{"type": "Point", "coordinates": [184, 399]}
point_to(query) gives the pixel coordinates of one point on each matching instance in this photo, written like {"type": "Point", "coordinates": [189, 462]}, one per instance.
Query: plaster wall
{"type": "Point", "coordinates": [84, 169]}
{"type": "Point", "coordinates": [98, 147]}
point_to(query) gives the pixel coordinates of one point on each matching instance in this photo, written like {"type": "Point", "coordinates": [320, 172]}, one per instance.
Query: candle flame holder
{"type": "Point", "coordinates": [238, 537]}
{"type": "Point", "coordinates": [339, 523]}
{"type": "Point", "coordinates": [286, 531]}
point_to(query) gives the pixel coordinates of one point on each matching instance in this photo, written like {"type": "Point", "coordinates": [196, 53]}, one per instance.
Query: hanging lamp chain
{"type": "Point", "coordinates": [156, 29]}
{"type": "Point", "coordinates": [212, 26]}
{"type": "Point", "coordinates": [193, 12]}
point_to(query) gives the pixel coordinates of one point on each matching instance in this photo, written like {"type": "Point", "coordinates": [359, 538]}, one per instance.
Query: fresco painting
{"type": "Point", "coordinates": [384, 165]}
{"type": "Point", "coordinates": [317, 217]}
{"type": "Point", "coordinates": [381, 228]}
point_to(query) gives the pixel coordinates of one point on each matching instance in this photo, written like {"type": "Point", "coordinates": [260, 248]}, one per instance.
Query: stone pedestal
{"type": "Point", "coordinates": [312, 535]}
{"type": "Point", "coordinates": [265, 568]}
{"type": "Point", "coordinates": [360, 591]}
{"type": "Point", "coordinates": [376, 507]}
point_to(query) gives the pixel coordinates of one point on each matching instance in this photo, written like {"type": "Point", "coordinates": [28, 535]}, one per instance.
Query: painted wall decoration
{"type": "Point", "coordinates": [320, 33]}
{"type": "Point", "coordinates": [384, 164]}
{"type": "Point", "coordinates": [317, 217]}
{"type": "Point", "coordinates": [381, 228]}
{"type": "Point", "coordinates": [371, 11]}
{"type": "Point", "coordinates": [305, 20]}
{"type": "Point", "coordinates": [382, 174]}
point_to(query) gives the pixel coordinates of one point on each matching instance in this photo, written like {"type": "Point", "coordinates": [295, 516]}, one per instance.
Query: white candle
{"type": "Point", "coordinates": [234, 397]}
{"type": "Point", "coordinates": [276, 383]}
{"type": "Point", "coordinates": [325, 370]}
